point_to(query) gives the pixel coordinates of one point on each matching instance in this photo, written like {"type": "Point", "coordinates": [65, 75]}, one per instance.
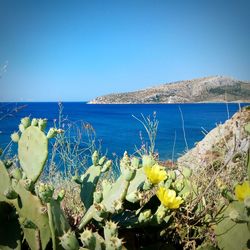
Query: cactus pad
{"type": "Point", "coordinates": [5, 182]}
{"type": "Point", "coordinates": [33, 152]}
{"type": "Point", "coordinates": [29, 206]}
{"type": "Point", "coordinates": [232, 235]}
{"type": "Point", "coordinates": [88, 186]}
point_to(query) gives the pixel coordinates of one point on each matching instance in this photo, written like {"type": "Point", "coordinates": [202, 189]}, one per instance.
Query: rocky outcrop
{"type": "Point", "coordinates": [220, 143]}
{"type": "Point", "coordinates": [207, 89]}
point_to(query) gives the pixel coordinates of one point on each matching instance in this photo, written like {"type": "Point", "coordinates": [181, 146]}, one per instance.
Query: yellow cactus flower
{"type": "Point", "coordinates": [242, 191]}
{"type": "Point", "coordinates": [155, 174]}
{"type": "Point", "coordinates": [168, 198]}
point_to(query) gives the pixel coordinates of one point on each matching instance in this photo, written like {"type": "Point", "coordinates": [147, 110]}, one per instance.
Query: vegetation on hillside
{"type": "Point", "coordinates": [207, 89]}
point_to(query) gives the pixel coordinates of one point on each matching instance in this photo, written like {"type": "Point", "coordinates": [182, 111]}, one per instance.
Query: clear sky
{"type": "Point", "coordinates": [68, 50]}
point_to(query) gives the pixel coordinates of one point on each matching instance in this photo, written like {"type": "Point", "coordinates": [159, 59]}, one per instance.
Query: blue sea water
{"type": "Point", "coordinates": [118, 130]}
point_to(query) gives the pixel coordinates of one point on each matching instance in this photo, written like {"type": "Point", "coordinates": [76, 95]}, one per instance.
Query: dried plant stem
{"type": "Point", "coordinates": [183, 128]}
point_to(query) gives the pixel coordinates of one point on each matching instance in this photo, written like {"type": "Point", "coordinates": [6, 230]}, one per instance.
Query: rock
{"type": "Point", "coordinates": [207, 89]}
{"type": "Point", "coordinates": [220, 143]}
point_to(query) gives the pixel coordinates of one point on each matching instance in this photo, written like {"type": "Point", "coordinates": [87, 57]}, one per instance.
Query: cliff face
{"type": "Point", "coordinates": [208, 89]}
{"type": "Point", "coordinates": [220, 143]}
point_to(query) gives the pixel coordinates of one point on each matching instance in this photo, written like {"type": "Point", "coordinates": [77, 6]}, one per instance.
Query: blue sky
{"type": "Point", "coordinates": [77, 50]}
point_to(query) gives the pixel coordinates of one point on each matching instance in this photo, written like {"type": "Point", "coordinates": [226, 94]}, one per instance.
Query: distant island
{"type": "Point", "coordinates": [207, 89]}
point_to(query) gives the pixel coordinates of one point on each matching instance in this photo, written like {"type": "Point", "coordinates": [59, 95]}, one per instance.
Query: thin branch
{"type": "Point", "coordinates": [183, 128]}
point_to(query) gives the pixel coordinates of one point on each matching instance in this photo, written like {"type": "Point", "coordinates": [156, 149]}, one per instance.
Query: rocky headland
{"type": "Point", "coordinates": [207, 89]}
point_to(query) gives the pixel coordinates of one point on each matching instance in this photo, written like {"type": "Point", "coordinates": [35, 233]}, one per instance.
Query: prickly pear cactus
{"type": "Point", "coordinates": [115, 194]}
{"type": "Point", "coordinates": [5, 182]}
{"type": "Point", "coordinates": [88, 181]}
{"type": "Point", "coordinates": [33, 151]}
{"type": "Point", "coordinates": [88, 185]}
{"type": "Point", "coordinates": [58, 223]}
{"type": "Point", "coordinates": [33, 217]}
{"type": "Point", "coordinates": [69, 241]}
{"type": "Point", "coordinates": [232, 232]}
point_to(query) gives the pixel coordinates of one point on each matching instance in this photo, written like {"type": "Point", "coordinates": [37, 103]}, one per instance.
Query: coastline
{"type": "Point", "coordinates": [163, 103]}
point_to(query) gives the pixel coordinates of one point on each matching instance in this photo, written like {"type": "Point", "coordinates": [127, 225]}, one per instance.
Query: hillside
{"type": "Point", "coordinates": [220, 143]}
{"type": "Point", "coordinates": [207, 89]}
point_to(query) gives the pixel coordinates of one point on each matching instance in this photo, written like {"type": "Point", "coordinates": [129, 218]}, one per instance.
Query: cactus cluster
{"type": "Point", "coordinates": [124, 201]}
{"type": "Point", "coordinates": [110, 205]}
{"type": "Point", "coordinates": [146, 195]}
{"type": "Point", "coordinates": [235, 218]}
{"type": "Point", "coordinates": [233, 231]}
{"type": "Point", "coordinates": [39, 216]}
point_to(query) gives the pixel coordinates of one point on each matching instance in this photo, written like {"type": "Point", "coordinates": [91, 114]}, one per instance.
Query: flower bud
{"type": "Point", "coordinates": [52, 133]}
{"type": "Point", "coordinates": [98, 197]}
{"type": "Point", "coordinates": [110, 230]}
{"type": "Point", "coordinates": [160, 214]}
{"type": "Point", "coordinates": [129, 174]}
{"type": "Point", "coordinates": [102, 160]}
{"type": "Point", "coordinates": [95, 157]}
{"type": "Point", "coordinates": [45, 192]}
{"type": "Point", "coordinates": [117, 206]}
{"type": "Point", "coordinates": [145, 215]}
{"type": "Point", "coordinates": [168, 183]}
{"type": "Point", "coordinates": [15, 137]}
{"type": "Point", "coordinates": [42, 123]}
{"type": "Point", "coordinates": [172, 175]}
{"type": "Point", "coordinates": [21, 128]}
{"type": "Point", "coordinates": [114, 244]}
{"type": "Point", "coordinates": [147, 185]}
{"type": "Point", "coordinates": [34, 122]}
{"type": "Point", "coordinates": [125, 162]}
{"type": "Point", "coordinates": [148, 161]}
{"type": "Point", "coordinates": [26, 122]}
{"type": "Point", "coordinates": [179, 185]}
{"type": "Point", "coordinates": [61, 195]}
{"type": "Point", "coordinates": [133, 196]}
{"type": "Point", "coordinates": [135, 162]}
{"type": "Point", "coordinates": [106, 166]}
{"type": "Point", "coordinates": [88, 239]}
{"type": "Point", "coordinates": [69, 241]}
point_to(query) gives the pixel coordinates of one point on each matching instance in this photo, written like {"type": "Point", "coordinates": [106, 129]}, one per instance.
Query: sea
{"type": "Point", "coordinates": [117, 128]}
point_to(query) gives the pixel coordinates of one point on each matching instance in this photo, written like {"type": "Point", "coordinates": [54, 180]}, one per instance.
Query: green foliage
{"type": "Point", "coordinates": [88, 185]}
{"type": "Point", "coordinates": [233, 230]}
{"type": "Point", "coordinates": [33, 152]}
{"type": "Point", "coordinates": [69, 241]}
{"type": "Point", "coordinates": [247, 128]}
{"type": "Point", "coordinates": [36, 213]}
{"type": "Point", "coordinates": [39, 217]}
{"type": "Point", "coordinates": [114, 194]}
{"type": "Point", "coordinates": [113, 209]}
